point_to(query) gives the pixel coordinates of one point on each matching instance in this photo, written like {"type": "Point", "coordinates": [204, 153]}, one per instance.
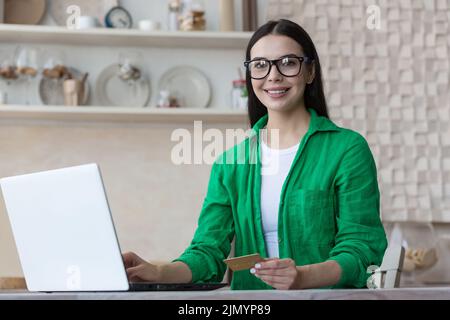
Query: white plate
{"type": "Point", "coordinates": [96, 8]}
{"type": "Point", "coordinates": [113, 91]}
{"type": "Point", "coordinates": [188, 84]}
{"type": "Point", "coordinates": [51, 91]}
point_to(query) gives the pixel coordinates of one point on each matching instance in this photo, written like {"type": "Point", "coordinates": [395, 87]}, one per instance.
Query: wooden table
{"type": "Point", "coordinates": [422, 293]}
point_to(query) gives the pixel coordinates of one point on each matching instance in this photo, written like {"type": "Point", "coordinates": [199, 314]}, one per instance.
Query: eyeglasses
{"type": "Point", "coordinates": [289, 66]}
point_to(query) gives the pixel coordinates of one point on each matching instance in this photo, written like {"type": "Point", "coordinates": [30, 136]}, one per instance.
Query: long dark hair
{"type": "Point", "coordinates": [314, 95]}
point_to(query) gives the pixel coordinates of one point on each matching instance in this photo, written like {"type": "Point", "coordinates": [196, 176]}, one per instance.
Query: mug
{"type": "Point", "coordinates": [87, 22]}
{"type": "Point", "coordinates": [149, 25]}
{"type": "Point", "coordinates": [73, 92]}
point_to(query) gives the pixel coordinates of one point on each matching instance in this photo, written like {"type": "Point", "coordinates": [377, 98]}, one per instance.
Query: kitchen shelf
{"type": "Point", "coordinates": [120, 114]}
{"type": "Point", "coordinates": [10, 33]}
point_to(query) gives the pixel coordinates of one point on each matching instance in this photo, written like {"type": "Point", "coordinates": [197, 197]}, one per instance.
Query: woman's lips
{"type": "Point", "coordinates": [277, 93]}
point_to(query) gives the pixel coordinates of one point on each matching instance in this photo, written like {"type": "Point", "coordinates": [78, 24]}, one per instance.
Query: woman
{"type": "Point", "coordinates": [309, 204]}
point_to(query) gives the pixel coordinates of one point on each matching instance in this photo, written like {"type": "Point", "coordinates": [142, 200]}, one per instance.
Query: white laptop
{"type": "Point", "coordinates": [65, 234]}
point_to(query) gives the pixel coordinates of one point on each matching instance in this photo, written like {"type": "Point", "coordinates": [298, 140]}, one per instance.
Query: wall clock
{"type": "Point", "coordinates": [118, 17]}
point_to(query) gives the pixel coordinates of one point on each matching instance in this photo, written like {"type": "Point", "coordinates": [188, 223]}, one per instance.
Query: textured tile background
{"type": "Point", "coordinates": [391, 85]}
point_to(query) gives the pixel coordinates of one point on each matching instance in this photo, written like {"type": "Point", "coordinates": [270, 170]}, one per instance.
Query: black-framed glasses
{"type": "Point", "coordinates": [288, 66]}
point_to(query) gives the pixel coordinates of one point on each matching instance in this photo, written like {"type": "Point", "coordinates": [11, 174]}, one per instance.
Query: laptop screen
{"type": "Point", "coordinates": [64, 231]}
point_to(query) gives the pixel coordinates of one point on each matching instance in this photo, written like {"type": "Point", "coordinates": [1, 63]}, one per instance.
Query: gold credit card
{"type": "Point", "coordinates": [243, 262]}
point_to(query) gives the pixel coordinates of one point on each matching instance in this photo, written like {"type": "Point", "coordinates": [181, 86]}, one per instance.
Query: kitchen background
{"type": "Point", "coordinates": [390, 83]}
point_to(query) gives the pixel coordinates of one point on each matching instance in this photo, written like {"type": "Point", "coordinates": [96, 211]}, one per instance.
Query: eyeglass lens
{"type": "Point", "coordinates": [288, 66]}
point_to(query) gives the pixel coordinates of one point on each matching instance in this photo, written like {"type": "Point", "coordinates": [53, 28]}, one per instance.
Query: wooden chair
{"type": "Point", "coordinates": [388, 275]}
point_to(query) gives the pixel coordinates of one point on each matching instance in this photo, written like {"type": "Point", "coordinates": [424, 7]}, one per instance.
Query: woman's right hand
{"type": "Point", "coordinates": [140, 270]}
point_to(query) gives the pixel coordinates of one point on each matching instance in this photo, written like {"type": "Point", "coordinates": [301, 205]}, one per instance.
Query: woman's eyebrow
{"type": "Point", "coordinates": [289, 55]}
{"type": "Point", "coordinates": [281, 57]}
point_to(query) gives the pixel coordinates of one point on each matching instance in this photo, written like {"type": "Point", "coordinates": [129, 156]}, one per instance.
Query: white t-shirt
{"type": "Point", "coordinates": [275, 166]}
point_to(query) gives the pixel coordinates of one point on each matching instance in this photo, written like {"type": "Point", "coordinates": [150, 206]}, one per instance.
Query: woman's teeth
{"type": "Point", "coordinates": [276, 91]}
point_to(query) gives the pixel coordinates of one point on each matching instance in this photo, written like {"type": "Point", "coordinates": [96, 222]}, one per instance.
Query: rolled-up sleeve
{"type": "Point", "coordinates": [215, 231]}
{"type": "Point", "coordinates": [360, 239]}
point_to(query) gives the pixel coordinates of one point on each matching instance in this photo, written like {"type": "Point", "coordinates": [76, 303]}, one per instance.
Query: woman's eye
{"type": "Point", "coordinates": [288, 62]}
{"type": "Point", "coordinates": [260, 64]}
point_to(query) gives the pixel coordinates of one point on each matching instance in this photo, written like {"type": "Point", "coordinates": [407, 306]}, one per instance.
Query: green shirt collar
{"type": "Point", "coordinates": [317, 123]}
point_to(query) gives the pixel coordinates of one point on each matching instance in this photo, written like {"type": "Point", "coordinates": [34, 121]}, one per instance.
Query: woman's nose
{"type": "Point", "coordinates": [274, 74]}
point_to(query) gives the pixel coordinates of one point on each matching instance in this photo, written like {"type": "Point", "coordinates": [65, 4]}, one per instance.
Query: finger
{"type": "Point", "coordinates": [275, 281]}
{"type": "Point", "coordinates": [275, 264]}
{"type": "Point", "coordinates": [284, 272]}
{"type": "Point", "coordinates": [133, 271]}
{"type": "Point", "coordinates": [270, 259]}
{"type": "Point", "coordinates": [126, 255]}
{"type": "Point", "coordinates": [144, 272]}
{"type": "Point", "coordinates": [136, 273]}
{"type": "Point", "coordinates": [273, 278]}
{"type": "Point", "coordinates": [129, 258]}
{"type": "Point", "coordinates": [133, 278]}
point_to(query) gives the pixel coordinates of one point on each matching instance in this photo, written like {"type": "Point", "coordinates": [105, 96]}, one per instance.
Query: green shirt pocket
{"type": "Point", "coordinates": [312, 215]}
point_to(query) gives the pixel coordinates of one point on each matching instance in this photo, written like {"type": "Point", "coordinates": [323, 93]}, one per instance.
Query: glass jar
{"type": "Point", "coordinates": [239, 95]}
{"type": "Point", "coordinates": [193, 16]}
{"type": "Point", "coordinates": [163, 99]}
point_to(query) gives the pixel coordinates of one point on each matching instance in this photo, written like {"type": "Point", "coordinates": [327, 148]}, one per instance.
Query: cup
{"type": "Point", "coordinates": [87, 22]}
{"type": "Point", "coordinates": [149, 25]}
{"type": "Point", "coordinates": [73, 92]}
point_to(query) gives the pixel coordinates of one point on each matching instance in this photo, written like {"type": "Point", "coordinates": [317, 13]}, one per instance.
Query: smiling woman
{"type": "Point", "coordinates": [309, 204]}
{"type": "Point", "coordinates": [297, 63]}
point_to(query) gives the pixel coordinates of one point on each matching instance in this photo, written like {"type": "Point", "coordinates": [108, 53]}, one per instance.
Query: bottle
{"type": "Point", "coordinates": [174, 15]}
{"type": "Point", "coordinates": [239, 95]}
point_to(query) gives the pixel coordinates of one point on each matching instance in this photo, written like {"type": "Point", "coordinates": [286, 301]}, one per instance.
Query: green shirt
{"type": "Point", "coordinates": [329, 208]}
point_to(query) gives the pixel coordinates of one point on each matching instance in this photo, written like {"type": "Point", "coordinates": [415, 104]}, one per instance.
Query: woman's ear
{"type": "Point", "coordinates": [312, 73]}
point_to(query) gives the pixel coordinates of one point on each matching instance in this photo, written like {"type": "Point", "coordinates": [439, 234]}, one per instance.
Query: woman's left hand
{"type": "Point", "coordinates": [281, 274]}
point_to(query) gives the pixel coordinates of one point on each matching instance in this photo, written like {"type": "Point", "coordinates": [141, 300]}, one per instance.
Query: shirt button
{"type": "Point", "coordinates": [279, 240]}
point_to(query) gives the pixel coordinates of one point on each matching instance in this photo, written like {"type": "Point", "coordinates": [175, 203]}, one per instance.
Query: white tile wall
{"type": "Point", "coordinates": [391, 85]}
